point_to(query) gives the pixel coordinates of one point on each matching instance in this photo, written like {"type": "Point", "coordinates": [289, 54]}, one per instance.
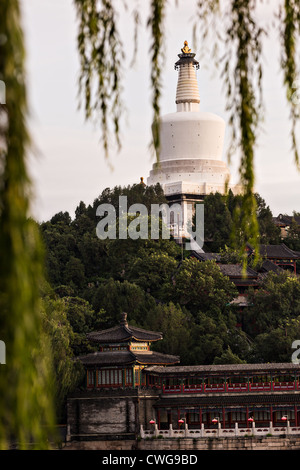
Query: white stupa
{"type": "Point", "coordinates": [191, 146]}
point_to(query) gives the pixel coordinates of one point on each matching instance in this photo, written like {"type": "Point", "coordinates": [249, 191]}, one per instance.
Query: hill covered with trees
{"type": "Point", "coordinates": [163, 288]}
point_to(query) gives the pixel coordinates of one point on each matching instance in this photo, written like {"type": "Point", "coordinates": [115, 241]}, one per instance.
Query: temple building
{"type": "Point", "coordinates": [124, 352]}
{"type": "Point", "coordinates": [285, 222]}
{"type": "Point", "coordinates": [128, 387]}
{"type": "Point", "coordinates": [191, 143]}
{"type": "Point", "coordinates": [281, 255]}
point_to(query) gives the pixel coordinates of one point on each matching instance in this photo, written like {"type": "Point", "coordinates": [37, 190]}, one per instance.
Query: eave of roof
{"type": "Point", "coordinates": [108, 358]}
{"type": "Point", "coordinates": [278, 252]}
{"type": "Point", "coordinates": [223, 368]}
{"type": "Point", "coordinates": [121, 333]}
{"type": "Point", "coordinates": [156, 358]}
{"type": "Point", "coordinates": [119, 358]}
{"type": "Point", "coordinates": [236, 271]}
{"type": "Point", "coordinates": [238, 399]}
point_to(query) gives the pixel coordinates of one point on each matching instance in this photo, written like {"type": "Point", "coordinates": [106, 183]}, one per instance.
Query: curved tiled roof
{"type": "Point", "coordinates": [237, 270]}
{"type": "Point", "coordinates": [123, 332]}
{"type": "Point", "coordinates": [278, 251]}
{"type": "Point", "coordinates": [107, 358]}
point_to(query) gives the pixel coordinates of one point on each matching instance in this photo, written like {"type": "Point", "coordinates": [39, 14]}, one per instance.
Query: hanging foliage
{"type": "Point", "coordinates": [290, 33]}
{"type": "Point", "coordinates": [26, 385]}
{"type": "Point", "coordinates": [101, 54]}
{"type": "Point", "coordinates": [155, 22]}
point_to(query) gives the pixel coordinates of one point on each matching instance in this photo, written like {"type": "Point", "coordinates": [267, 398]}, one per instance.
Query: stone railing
{"type": "Point", "coordinates": [252, 431]}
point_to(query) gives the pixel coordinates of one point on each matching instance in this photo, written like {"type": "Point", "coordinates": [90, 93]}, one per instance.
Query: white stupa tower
{"type": "Point", "coordinates": [191, 146]}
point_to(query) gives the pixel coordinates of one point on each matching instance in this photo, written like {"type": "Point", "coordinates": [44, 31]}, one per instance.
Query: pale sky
{"type": "Point", "coordinates": [69, 165]}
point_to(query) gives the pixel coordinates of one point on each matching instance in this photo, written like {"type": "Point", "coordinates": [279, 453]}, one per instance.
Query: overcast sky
{"type": "Point", "coordinates": [68, 165]}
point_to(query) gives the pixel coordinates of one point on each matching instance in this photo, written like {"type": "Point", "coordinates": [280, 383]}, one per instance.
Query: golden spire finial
{"type": "Point", "coordinates": [186, 49]}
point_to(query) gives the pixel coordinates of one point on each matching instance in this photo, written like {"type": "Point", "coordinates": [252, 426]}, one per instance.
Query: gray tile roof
{"type": "Point", "coordinates": [236, 270]}
{"type": "Point", "coordinates": [268, 266]}
{"type": "Point", "coordinates": [108, 358]}
{"type": "Point", "coordinates": [206, 256]}
{"type": "Point", "coordinates": [223, 368]}
{"type": "Point", "coordinates": [156, 358]}
{"type": "Point", "coordinates": [284, 219]}
{"type": "Point", "coordinates": [278, 252]}
{"type": "Point", "coordinates": [122, 333]}
{"type": "Point", "coordinates": [115, 358]}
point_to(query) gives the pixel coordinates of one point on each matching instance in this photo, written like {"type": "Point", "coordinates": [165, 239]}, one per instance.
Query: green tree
{"type": "Point", "coordinates": [208, 339]}
{"type": "Point", "coordinates": [116, 297]}
{"type": "Point", "coordinates": [227, 357]}
{"type": "Point", "coordinates": [68, 373]}
{"type": "Point", "coordinates": [276, 345]}
{"type": "Point", "coordinates": [217, 222]}
{"type": "Point", "coordinates": [200, 286]}
{"type": "Point", "coordinates": [268, 232]}
{"type": "Point", "coordinates": [230, 256]}
{"type": "Point", "coordinates": [293, 237]}
{"type": "Point", "coordinates": [82, 319]}
{"type": "Point", "coordinates": [176, 326]}
{"type": "Point", "coordinates": [153, 271]}
{"type": "Point", "coordinates": [277, 299]}
{"type": "Point", "coordinates": [74, 273]}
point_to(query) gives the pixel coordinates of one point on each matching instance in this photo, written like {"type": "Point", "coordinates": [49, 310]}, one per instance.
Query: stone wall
{"type": "Point", "coordinates": [108, 413]}
{"type": "Point", "coordinates": [190, 445]}
{"type": "Point", "coordinates": [112, 419]}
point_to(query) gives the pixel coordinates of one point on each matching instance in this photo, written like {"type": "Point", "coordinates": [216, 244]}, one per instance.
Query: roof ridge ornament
{"type": "Point", "coordinates": [123, 321]}
{"type": "Point", "coordinates": [186, 49]}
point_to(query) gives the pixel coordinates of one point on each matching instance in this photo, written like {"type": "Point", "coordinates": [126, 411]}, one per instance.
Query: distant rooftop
{"type": "Point", "coordinates": [284, 220]}
{"type": "Point", "coordinates": [278, 252]}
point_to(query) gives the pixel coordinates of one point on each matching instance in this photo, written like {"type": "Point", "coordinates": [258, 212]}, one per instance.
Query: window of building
{"type": "Point", "coordinates": [238, 416]}
{"type": "Point", "coordinates": [194, 417]}
{"type": "Point", "coordinates": [90, 378]}
{"type": "Point", "coordinates": [110, 377]}
{"type": "Point", "coordinates": [128, 376]}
